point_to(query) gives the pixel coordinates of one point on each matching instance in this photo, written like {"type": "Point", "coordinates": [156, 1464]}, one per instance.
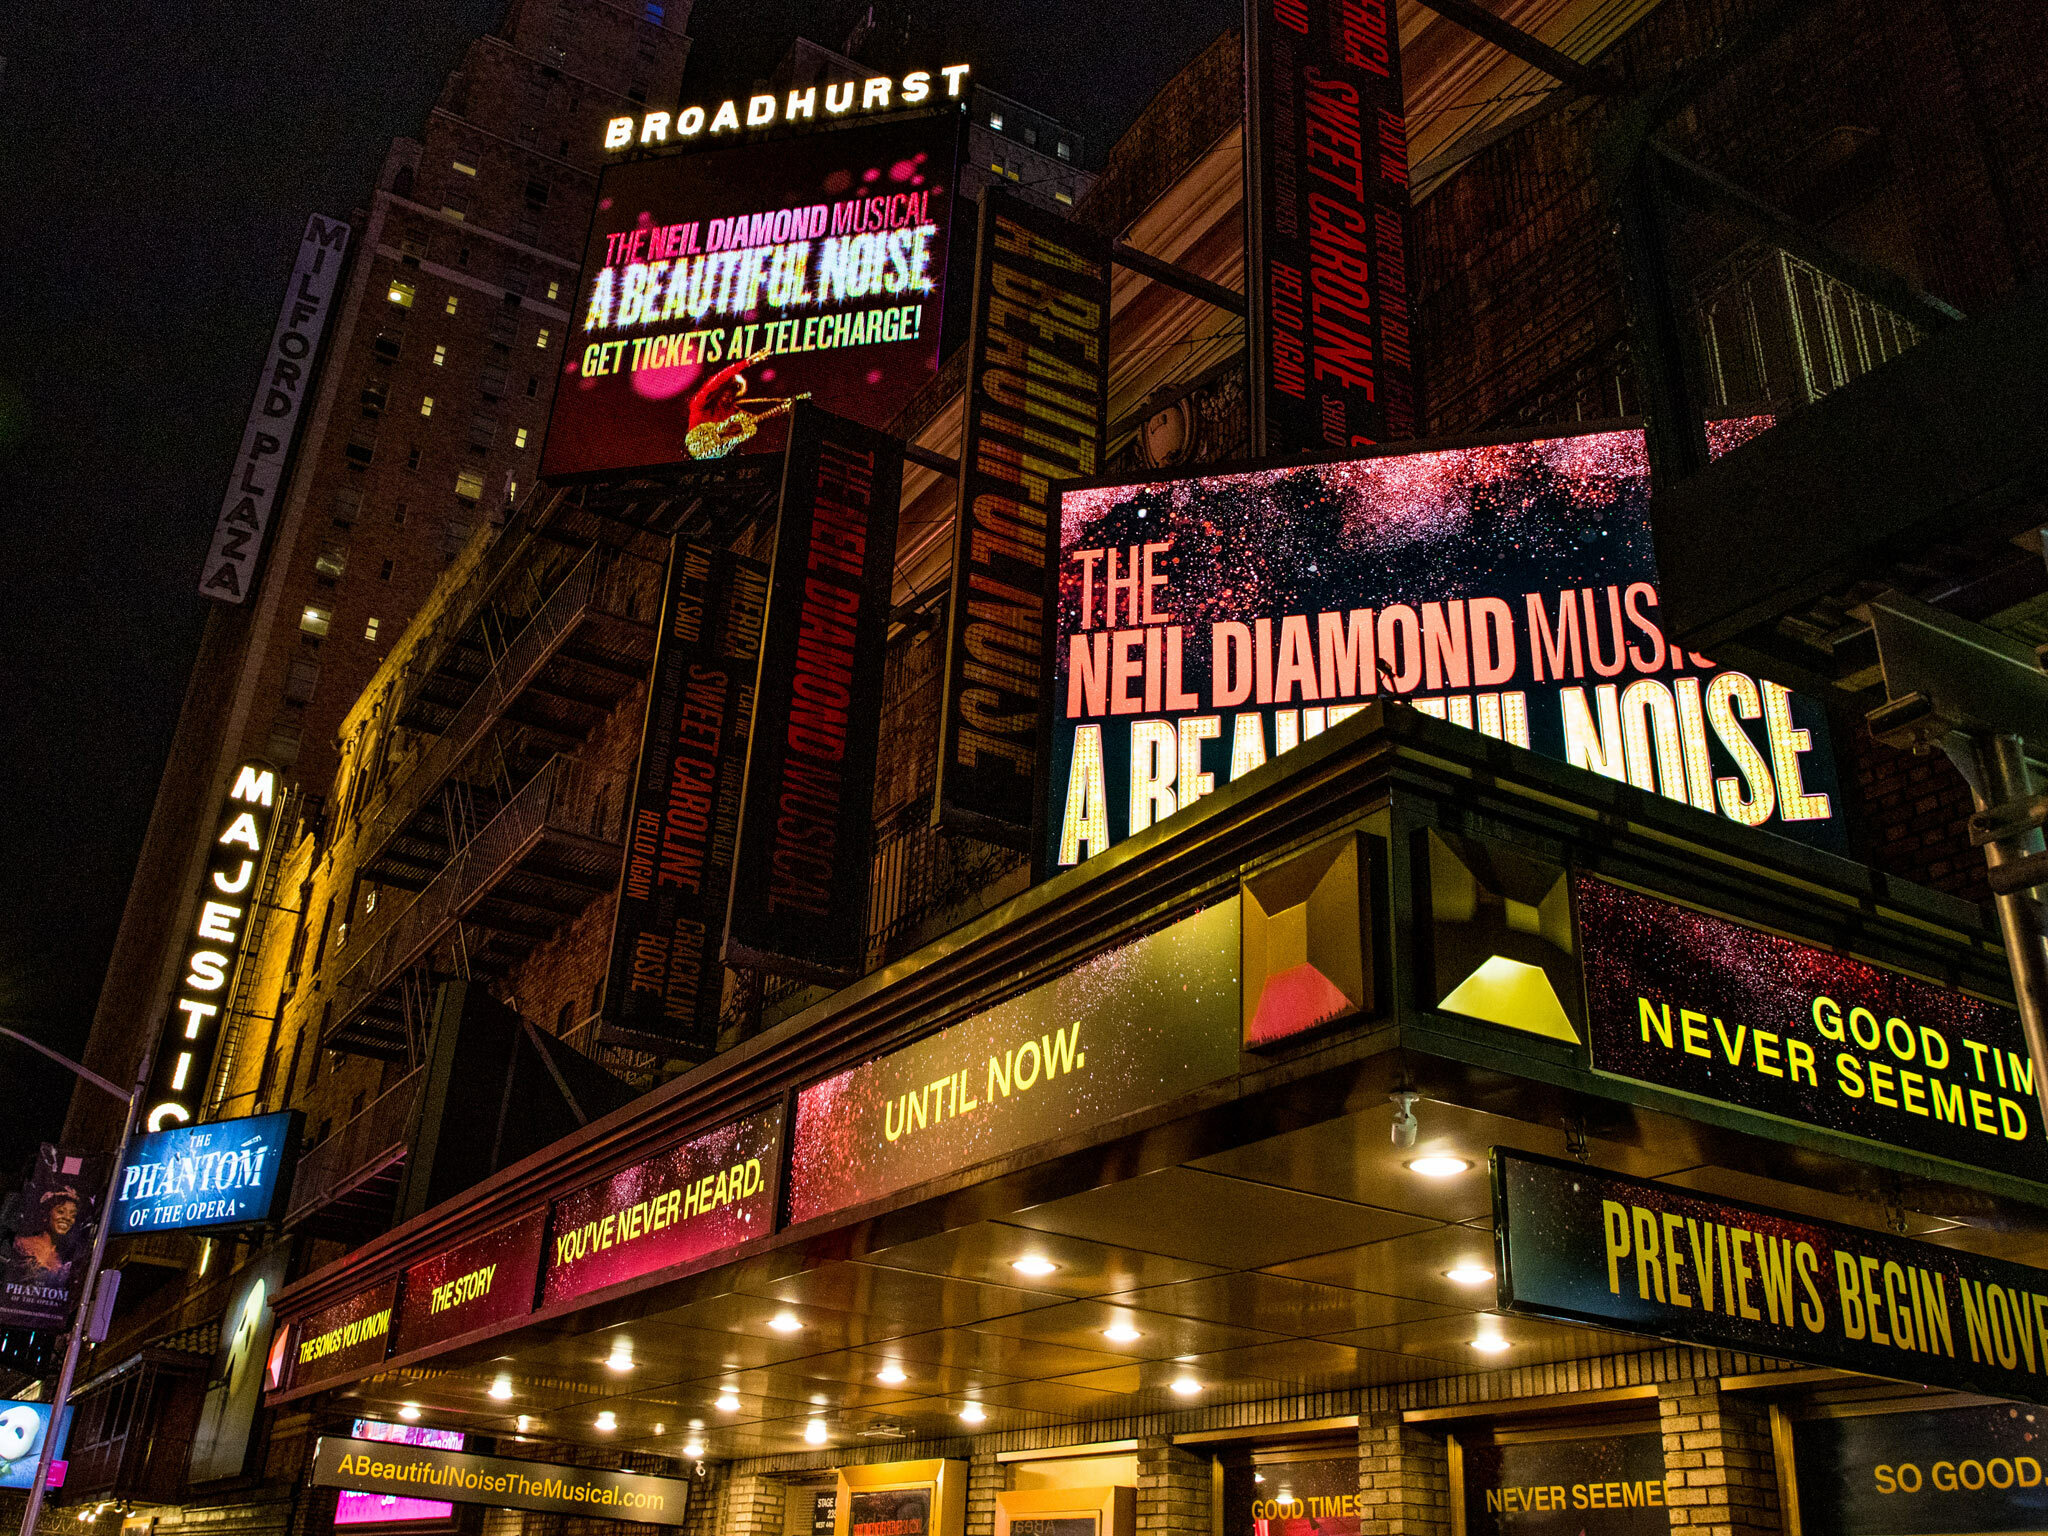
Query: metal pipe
{"type": "Point", "coordinates": [1998, 773]}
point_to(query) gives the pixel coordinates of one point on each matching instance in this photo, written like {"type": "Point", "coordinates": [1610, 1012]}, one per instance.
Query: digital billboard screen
{"type": "Point", "coordinates": [722, 286]}
{"type": "Point", "coordinates": [1207, 625]}
{"type": "Point", "coordinates": [353, 1508]}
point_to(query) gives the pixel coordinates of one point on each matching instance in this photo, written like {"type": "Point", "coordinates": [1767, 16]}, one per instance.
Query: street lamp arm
{"type": "Point", "coordinates": [65, 1061]}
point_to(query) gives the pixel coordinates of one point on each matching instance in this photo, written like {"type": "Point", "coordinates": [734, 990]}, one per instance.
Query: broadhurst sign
{"type": "Point", "coordinates": [1587, 1246]}
{"type": "Point", "coordinates": [416, 1471]}
{"type": "Point", "coordinates": [1207, 625]}
{"type": "Point", "coordinates": [252, 494]}
{"type": "Point", "coordinates": [225, 1173]}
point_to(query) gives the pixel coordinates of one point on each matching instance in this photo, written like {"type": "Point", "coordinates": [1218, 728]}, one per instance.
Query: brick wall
{"type": "Point", "coordinates": [1720, 1479]}
{"type": "Point", "coordinates": [1173, 1489]}
{"type": "Point", "coordinates": [1404, 1482]}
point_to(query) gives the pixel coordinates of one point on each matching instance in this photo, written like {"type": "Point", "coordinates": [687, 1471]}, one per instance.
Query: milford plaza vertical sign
{"type": "Point", "coordinates": [1326, 182]}
{"type": "Point", "coordinates": [1037, 402]}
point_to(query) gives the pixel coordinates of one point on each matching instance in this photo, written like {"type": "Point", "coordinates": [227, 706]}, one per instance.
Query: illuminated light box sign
{"type": "Point", "coordinates": [352, 1508]}
{"type": "Point", "coordinates": [1936, 1472]}
{"type": "Point", "coordinates": [721, 287]}
{"type": "Point", "coordinates": [419, 1471]}
{"type": "Point", "coordinates": [228, 893]}
{"type": "Point", "coordinates": [344, 1337]}
{"type": "Point", "coordinates": [1206, 626]}
{"type": "Point", "coordinates": [802, 106]}
{"type": "Point", "coordinates": [489, 1279]}
{"type": "Point", "coordinates": [47, 1252]}
{"type": "Point", "coordinates": [1586, 1246]}
{"type": "Point", "coordinates": [1689, 1001]}
{"type": "Point", "coordinates": [225, 1173]}
{"type": "Point", "coordinates": [22, 1426]}
{"type": "Point", "coordinates": [1307, 1495]}
{"type": "Point", "coordinates": [1588, 1485]}
{"type": "Point", "coordinates": [1129, 1029]}
{"type": "Point", "coordinates": [707, 1195]}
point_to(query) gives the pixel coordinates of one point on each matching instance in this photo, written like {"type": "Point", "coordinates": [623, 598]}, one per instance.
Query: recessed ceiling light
{"type": "Point", "coordinates": [1438, 1167]}
{"type": "Point", "coordinates": [693, 1449]}
{"type": "Point", "coordinates": [1186, 1386]}
{"type": "Point", "coordinates": [728, 1402]}
{"type": "Point", "coordinates": [1490, 1344]}
{"type": "Point", "coordinates": [891, 1376]}
{"type": "Point", "coordinates": [501, 1389]}
{"type": "Point", "coordinates": [973, 1413]}
{"type": "Point", "coordinates": [814, 1432]}
{"type": "Point", "coordinates": [607, 1420]}
{"type": "Point", "coordinates": [785, 1322]}
{"type": "Point", "coordinates": [1469, 1274]}
{"type": "Point", "coordinates": [621, 1357]}
{"type": "Point", "coordinates": [523, 1422]}
{"type": "Point", "coordinates": [409, 1412]}
{"type": "Point", "coordinates": [1033, 1264]}
{"type": "Point", "coordinates": [1121, 1333]}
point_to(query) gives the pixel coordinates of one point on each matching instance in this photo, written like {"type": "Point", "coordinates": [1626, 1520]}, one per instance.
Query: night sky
{"type": "Point", "coordinates": [161, 163]}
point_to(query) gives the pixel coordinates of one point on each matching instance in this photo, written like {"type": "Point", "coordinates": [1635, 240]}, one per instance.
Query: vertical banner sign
{"type": "Point", "coordinates": [800, 874]}
{"type": "Point", "coordinates": [665, 978]}
{"type": "Point", "coordinates": [1326, 200]}
{"type": "Point", "coordinates": [1037, 414]}
{"type": "Point", "coordinates": [227, 901]}
{"type": "Point", "coordinates": [274, 418]}
{"type": "Point", "coordinates": [44, 1259]}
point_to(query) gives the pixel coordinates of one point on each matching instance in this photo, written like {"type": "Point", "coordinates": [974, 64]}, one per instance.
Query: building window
{"type": "Point", "coordinates": [372, 399]}
{"type": "Point", "coordinates": [384, 571]}
{"type": "Point", "coordinates": [398, 512]}
{"type": "Point", "coordinates": [300, 681]}
{"type": "Point", "coordinates": [554, 290]}
{"type": "Point", "coordinates": [440, 356]}
{"type": "Point", "coordinates": [315, 621]}
{"type": "Point", "coordinates": [532, 386]}
{"type": "Point", "coordinates": [638, 93]}
{"type": "Point", "coordinates": [1030, 134]}
{"type": "Point", "coordinates": [537, 193]}
{"type": "Point", "coordinates": [387, 346]}
{"type": "Point", "coordinates": [401, 293]}
{"type": "Point", "coordinates": [491, 380]}
{"type": "Point", "coordinates": [426, 405]}
{"type": "Point", "coordinates": [1064, 197]}
{"type": "Point", "coordinates": [464, 167]}
{"type": "Point", "coordinates": [412, 461]}
{"type": "Point", "coordinates": [370, 630]}
{"type": "Point", "coordinates": [462, 257]}
{"type": "Point", "coordinates": [995, 121]}
{"type": "Point", "coordinates": [1066, 150]}
{"type": "Point", "coordinates": [519, 438]}
{"type": "Point", "coordinates": [455, 534]}
{"type": "Point", "coordinates": [511, 491]}
{"type": "Point", "coordinates": [483, 432]}
{"type": "Point", "coordinates": [541, 340]}
{"type": "Point", "coordinates": [360, 451]}
{"type": "Point", "coordinates": [469, 484]}
{"type": "Point", "coordinates": [348, 504]}
{"type": "Point", "coordinates": [455, 207]}
{"type": "Point", "coordinates": [655, 11]}
{"type": "Point", "coordinates": [331, 562]}
{"type": "Point", "coordinates": [453, 304]}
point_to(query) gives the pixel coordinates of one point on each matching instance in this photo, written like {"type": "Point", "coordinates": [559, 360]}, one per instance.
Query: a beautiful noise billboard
{"type": "Point", "coordinates": [1207, 625]}
{"type": "Point", "coordinates": [721, 287]}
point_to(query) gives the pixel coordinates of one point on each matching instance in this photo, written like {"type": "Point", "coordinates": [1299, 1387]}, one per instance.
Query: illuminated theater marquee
{"type": "Point", "coordinates": [846, 98]}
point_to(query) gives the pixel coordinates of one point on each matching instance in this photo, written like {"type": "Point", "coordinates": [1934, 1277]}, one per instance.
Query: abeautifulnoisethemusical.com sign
{"type": "Point", "coordinates": [459, 1477]}
{"type": "Point", "coordinates": [1129, 1029]}
{"type": "Point", "coordinates": [1206, 626]}
{"type": "Point", "coordinates": [706, 1195]}
{"type": "Point", "coordinates": [1686, 1000]}
{"type": "Point", "coordinates": [1326, 162]}
{"type": "Point", "coordinates": [487, 1280]}
{"type": "Point", "coordinates": [801, 870]}
{"type": "Point", "coordinates": [1037, 403]}
{"type": "Point", "coordinates": [665, 977]}
{"type": "Point", "coordinates": [722, 287]}
{"type": "Point", "coordinates": [1587, 1246]}
{"type": "Point", "coordinates": [224, 1173]}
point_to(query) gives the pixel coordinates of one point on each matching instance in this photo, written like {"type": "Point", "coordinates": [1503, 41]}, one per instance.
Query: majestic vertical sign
{"type": "Point", "coordinates": [1208, 625]}
{"type": "Point", "coordinates": [1037, 401]}
{"type": "Point", "coordinates": [800, 877]}
{"type": "Point", "coordinates": [1690, 1001]}
{"type": "Point", "coordinates": [227, 901]}
{"type": "Point", "coordinates": [43, 1262]}
{"type": "Point", "coordinates": [1587, 1246]}
{"type": "Point", "coordinates": [1326, 200]}
{"type": "Point", "coordinates": [274, 418]}
{"type": "Point", "coordinates": [665, 978]}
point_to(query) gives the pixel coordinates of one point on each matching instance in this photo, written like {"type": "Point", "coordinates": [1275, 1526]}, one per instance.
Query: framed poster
{"type": "Point", "coordinates": [1560, 1480]}
{"type": "Point", "coordinates": [1098, 1511]}
{"type": "Point", "coordinates": [902, 1498]}
{"type": "Point", "coordinates": [1867, 1469]}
